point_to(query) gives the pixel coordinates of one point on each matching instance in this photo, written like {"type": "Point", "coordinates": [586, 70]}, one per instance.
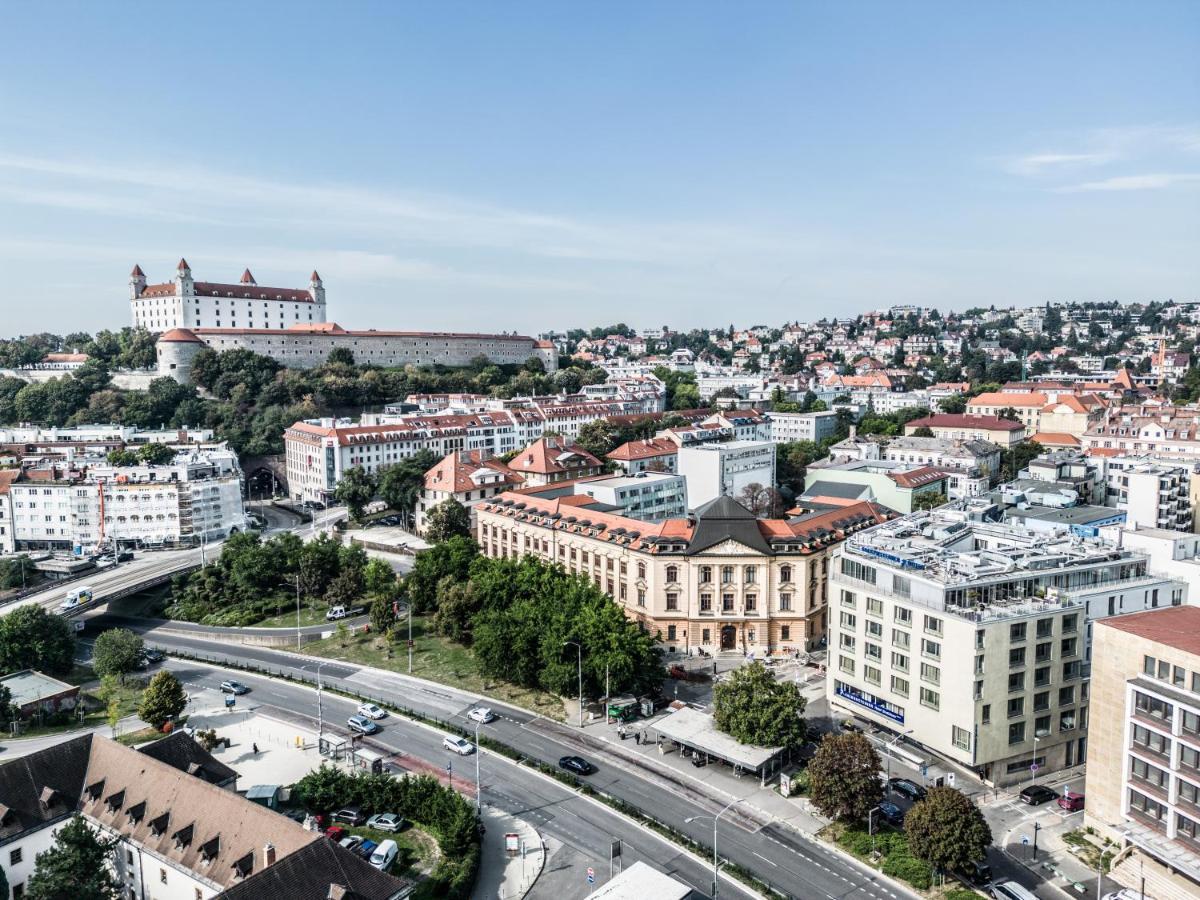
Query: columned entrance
{"type": "Point", "coordinates": [729, 637]}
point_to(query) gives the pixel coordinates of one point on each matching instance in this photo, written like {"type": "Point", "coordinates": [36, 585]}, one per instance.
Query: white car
{"type": "Point", "coordinates": [481, 714]}
{"type": "Point", "coordinates": [371, 711]}
{"type": "Point", "coordinates": [458, 745]}
{"type": "Point", "coordinates": [334, 613]}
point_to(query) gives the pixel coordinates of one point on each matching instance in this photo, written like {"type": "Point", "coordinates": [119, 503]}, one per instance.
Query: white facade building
{"type": "Point", "coordinates": [726, 469]}
{"type": "Point", "coordinates": [976, 635]}
{"type": "Point", "coordinates": [809, 426]}
{"type": "Point", "coordinates": [648, 496]}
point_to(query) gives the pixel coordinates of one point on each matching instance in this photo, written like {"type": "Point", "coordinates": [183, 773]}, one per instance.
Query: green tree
{"type": "Point", "coordinates": [955, 404]}
{"type": "Point", "coordinates": [844, 777]}
{"type": "Point", "coordinates": [380, 579]}
{"type": "Point", "coordinates": [162, 700]}
{"type": "Point", "coordinates": [155, 454]}
{"type": "Point", "coordinates": [452, 557]}
{"type": "Point", "coordinates": [947, 830]}
{"type": "Point", "coordinates": [928, 500]}
{"type": "Point", "coordinates": [383, 614]}
{"type": "Point", "coordinates": [1010, 413]}
{"type": "Point", "coordinates": [323, 789]}
{"type": "Point", "coordinates": [446, 520]}
{"type": "Point", "coordinates": [122, 458]}
{"type": "Point", "coordinates": [687, 396]}
{"type": "Point", "coordinates": [17, 571]}
{"type": "Point", "coordinates": [400, 485]}
{"type": "Point", "coordinates": [922, 431]}
{"type": "Point", "coordinates": [116, 652]}
{"type": "Point", "coordinates": [754, 708]}
{"type": "Point", "coordinates": [356, 489]}
{"type": "Point", "coordinates": [341, 356]}
{"type": "Point", "coordinates": [77, 867]}
{"type": "Point", "coordinates": [346, 588]}
{"type": "Point", "coordinates": [31, 638]}
{"type": "Point", "coordinates": [1018, 457]}
{"type": "Point", "coordinates": [110, 695]}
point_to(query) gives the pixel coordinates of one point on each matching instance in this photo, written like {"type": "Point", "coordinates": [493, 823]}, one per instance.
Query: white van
{"type": "Point", "coordinates": [1010, 890]}
{"type": "Point", "coordinates": [76, 597]}
{"type": "Point", "coordinates": [385, 854]}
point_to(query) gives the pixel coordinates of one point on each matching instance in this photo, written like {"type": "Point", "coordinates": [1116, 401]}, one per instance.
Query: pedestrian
{"type": "Point", "coordinates": [255, 749]}
{"type": "Point", "coordinates": [637, 736]}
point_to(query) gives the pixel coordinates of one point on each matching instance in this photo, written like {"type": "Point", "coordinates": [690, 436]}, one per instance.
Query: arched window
{"type": "Point", "coordinates": [672, 574]}
{"type": "Point", "coordinates": [785, 573]}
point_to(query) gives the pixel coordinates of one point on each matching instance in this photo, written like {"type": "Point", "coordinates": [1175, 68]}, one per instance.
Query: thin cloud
{"type": "Point", "coordinates": [1149, 182]}
{"type": "Point", "coordinates": [1039, 163]}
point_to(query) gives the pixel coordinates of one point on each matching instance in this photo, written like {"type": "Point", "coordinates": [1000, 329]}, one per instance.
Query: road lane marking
{"type": "Point", "coordinates": [764, 859]}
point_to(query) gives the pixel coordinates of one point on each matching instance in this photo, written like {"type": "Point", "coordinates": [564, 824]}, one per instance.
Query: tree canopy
{"type": "Point", "coordinates": [754, 708]}
{"type": "Point", "coordinates": [76, 867]}
{"type": "Point", "coordinates": [116, 651]}
{"type": "Point", "coordinates": [162, 700]}
{"type": "Point", "coordinates": [446, 520]}
{"type": "Point", "coordinates": [947, 829]}
{"type": "Point", "coordinates": [31, 638]}
{"type": "Point", "coordinates": [843, 777]}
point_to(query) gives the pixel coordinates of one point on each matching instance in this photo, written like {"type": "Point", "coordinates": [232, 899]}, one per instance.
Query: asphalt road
{"type": "Point", "coordinates": [552, 808]}
{"type": "Point", "coordinates": [792, 864]}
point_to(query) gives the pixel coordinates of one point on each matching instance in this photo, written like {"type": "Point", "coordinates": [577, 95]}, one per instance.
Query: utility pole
{"type": "Point", "coordinates": [410, 641]}
{"type": "Point", "coordinates": [320, 709]}
{"type": "Point", "coordinates": [579, 650]}
{"type": "Point", "coordinates": [297, 611]}
{"type": "Point", "coordinates": [478, 791]}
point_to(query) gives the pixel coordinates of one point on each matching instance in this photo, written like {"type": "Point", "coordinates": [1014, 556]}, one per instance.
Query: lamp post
{"type": "Point", "coordinates": [297, 611]}
{"type": "Point", "coordinates": [715, 819]}
{"type": "Point", "coordinates": [478, 792]}
{"type": "Point", "coordinates": [579, 651]}
{"type": "Point", "coordinates": [1033, 765]}
{"type": "Point", "coordinates": [888, 749]}
{"type": "Point", "coordinates": [320, 707]}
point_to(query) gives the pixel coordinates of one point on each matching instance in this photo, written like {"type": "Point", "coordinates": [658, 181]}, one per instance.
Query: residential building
{"type": "Point", "coordinates": [1066, 413]}
{"type": "Point", "coordinates": [649, 455]}
{"type": "Point", "coordinates": [1143, 759]}
{"type": "Point", "coordinates": [7, 531]}
{"type": "Point", "coordinates": [896, 485]}
{"type": "Point", "coordinates": [647, 496]}
{"type": "Point", "coordinates": [719, 580]}
{"type": "Point", "coordinates": [809, 426]}
{"type": "Point", "coordinates": [1166, 433]}
{"type": "Point", "coordinates": [552, 459]}
{"type": "Point", "coordinates": [467, 476]}
{"type": "Point", "coordinates": [1153, 494]}
{"type": "Point", "coordinates": [1172, 553]}
{"type": "Point", "coordinates": [178, 835]}
{"type": "Point", "coordinates": [726, 469]}
{"type": "Point", "coordinates": [1002, 432]}
{"type": "Point", "coordinates": [194, 499]}
{"type": "Point", "coordinates": [973, 463]}
{"type": "Point", "coordinates": [974, 635]}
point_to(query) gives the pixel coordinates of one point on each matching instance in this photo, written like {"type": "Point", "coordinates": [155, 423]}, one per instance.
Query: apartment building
{"type": "Point", "coordinates": [1153, 494]}
{"type": "Point", "coordinates": [809, 426]}
{"type": "Point", "coordinates": [720, 580]}
{"type": "Point", "coordinates": [467, 476]}
{"type": "Point", "coordinates": [195, 499]}
{"type": "Point", "coordinates": [1143, 760]}
{"type": "Point", "coordinates": [726, 468]}
{"type": "Point", "coordinates": [649, 455]}
{"type": "Point", "coordinates": [975, 635]}
{"type": "Point", "coordinates": [971, 464]}
{"type": "Point", "coordinates": [647, 496]}
{"type": "Point", "coordinates": [1166, 433]}
{"type": "Point", "coordinates": [554, 459]}
{"type": "Point", "coordinates": [897, 485]}
{"type": "Point", "coordinates": [1002, 432]}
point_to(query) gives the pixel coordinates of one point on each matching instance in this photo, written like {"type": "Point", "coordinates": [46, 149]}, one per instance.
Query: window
{"type": "Point", "coordinates": [672, 602]}
{"type": "Point", "coordinates": [1152, 707]}
{"type": "Point", "coordinates": [1179, 677]}
{"type": "Point", "coordinates": [14, 856]}
{"type": "Point", "coordinates": [1149, 665]}
{"type": "Point", "coordinates": [1016, 682]}
{"type": "Point", "coordinates": [871, 674]}
{"type": "Point", "coordinates": [874, 606]}
{"type": "Point", "coordinates": [1066, 696]}
{"type": "Point", "coordinates": [901, 586]}
{"type": "Point", "coordinates": [672, 574]}
{"type": "Point", "coordinates": [985, 714]}
{"type": "Point", "coordinates": [1069, 646]}
{"type": "Point", "coordinates": [705, 574]}
{"type": "Point", "coordinates": [1191, 722]}
{"type": "Point", "coordinates": [1189, 758]}
{"type": "Point", "coordinates": [902, 616]}
{"type": "Point", "coordinates": [785, 632]}
{"type": "Point", "coordinates": [706, 603]}
{"type": "Point", "coordinates": [899, 661]}
{"type": "Point", "coordinates": [1045, 628]}
{"type": "Point", "coordinates": [1148, 773]}
{"type": "Point", "coordinates": [930, 673]}
{"type": "Point", "coordinates": [1016, 733]}
{"type": "Point", "coordinates": [932, 649]}
{"type": "Point", "coordinates": [1150, 740]}
{"type": "Point", "coordinates": [1143, 806]}
{"type": "Point", "coordinates": [1043, 653]}
{"type": "Point", "coordinates": [1041, 677]}
{"type": "Point", "coordinates": [162, 875]}
{"type": "Point", "coordinates": [726, 574]}
{"type": "Point", "coordinates": [848, 599]}
{"type": "Point", "coordinates": [1189, 793]}
{"type": "Point", "coordinates": [874, 629]}
{"type": "Point", "coordinates": [1070, 623]}
{"type": "Point", "coordinates": [1016, 656]}
{"type": "Point", "coordinates": [1041, 701]}
{"type": "Point", "coordinates": [846, 664]}
{"type": "Point", "coordinates": [641, 597]}
{"type": "Point", "coordinates": [727, 603]}
{"type": "Point", "coordinates": [933, 625]}
{"type": "Point", "coordinates": [848, 620]}
{"type": "Point", "coordinates": [1066, 721]}
{"type": "Point", "coordinates": [858, 571]}
{"type": "Point", "coordinates": [670, 632]}
{"type": "Point", "coordinates": [930, 698]}
{"type": "Point", "coordinates": [872, 650]}
{"type": "Point", "coordinates": [1016, 632]}
{"type": "Point", "coordinates": [785, 574]}
{"type": "Point", "coordinates": [900, 686]}
{"type": "Point", "coordinates": [1016, 707]}
{"type": "Point", "coordinates": [960, 737]}
{"type": "Point", "coordinates": [900, 639]}
{"type": "Point", "coordinates": [1041, 726]}
{"type": "Point", "coordinates": [1186, 828]}
{"type": "Point", "coordinates": [846, 641]}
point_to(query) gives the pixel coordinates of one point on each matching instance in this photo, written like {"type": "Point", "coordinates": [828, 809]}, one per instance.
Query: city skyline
{"type": "Point", "coordinates": [461, 170]}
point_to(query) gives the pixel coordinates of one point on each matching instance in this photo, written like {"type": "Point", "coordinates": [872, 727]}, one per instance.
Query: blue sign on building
{"type": "Point", "coordinates": [871, 702]}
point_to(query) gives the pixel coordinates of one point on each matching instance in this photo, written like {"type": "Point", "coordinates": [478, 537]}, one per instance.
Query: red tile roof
{"type": "Point", "coordinates": [180, 335]}
{"type": "Point", "coordinates": [918, 477]}
{"type": "Point", "coordinates": [1055, 439]}
{"type": "Point", "coordinates": [453, 472]}
{"type": "Point", "coordinates": [956, 420]}
{"type": "Point", "coordinates": [1002, 398]}
{"type": "Point", "coordinates": [549, 456]}
{"type": "Point", "coordinates": [646, 449]}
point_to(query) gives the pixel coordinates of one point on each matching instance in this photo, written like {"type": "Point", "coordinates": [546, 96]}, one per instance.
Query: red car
{"type": "Point", "coordinates": [335, 833]}
{"type": "Point", "coordinates": [1070, 801]}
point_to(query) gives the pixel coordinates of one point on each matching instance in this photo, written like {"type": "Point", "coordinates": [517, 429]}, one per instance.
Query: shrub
{"type": "Point", "coordinates": [902, 866]}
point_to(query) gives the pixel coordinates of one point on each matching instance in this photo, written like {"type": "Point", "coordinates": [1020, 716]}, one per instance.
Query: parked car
{"type": "Point", "coordinates": [234, 687]}
{"type": "Point", "coordinates": [335, 833]}
{"type": "Point", "coordinates": [458, 745]}
{"type": "Point", "coordinates": [334, 613]}
{"type": "Point", "coordinates": [1010, 890]}
{"type": "Point", "coordinates": [385, 822]}
{"type": "Point", "coordinates": [1071, 801]}
{"type": "Point", "coordinates": [1037, 794]}
{"type": "Point", "coordinates": [350, 815]}
{"type": "Point", "coordinates": [891, 813]}
{"type": "Point", "coordinates": [384, 855]}
{"type": "Point", "coordinates": [906, 788]}
{"type": "Point", "coordinates": [366, 848]}
{"type": "Point", "coordinates": [977, 873]}
{"type": "Point", "coordinates": [362, 725]}
{"type": "Point", "coordinates": [371, 711]}
{"type": "Point", "coordinates": [481, 714]}
{"type": "Point", "coordinates": [351, 842]}
{"type": "Point", "coordinates": [576, 764]}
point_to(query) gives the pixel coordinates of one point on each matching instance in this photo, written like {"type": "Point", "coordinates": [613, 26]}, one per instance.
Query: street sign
{"type": "Point", "coordinates": [1024, 840]}
{"type": "Point", "coordinates": [614, 849]}
{"type": "Point", "coordinates": [1033, 768]}
{"type": "Point", "coordinates": [950, 779]}
{"type": "Point", "coordinates": [512, 841]}
{"type": "Point", "coordinates": [591, 875]}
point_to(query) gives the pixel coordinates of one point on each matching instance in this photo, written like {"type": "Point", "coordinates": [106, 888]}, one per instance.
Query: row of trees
{"type": "Point", "coordinates": [520, 615]}
{"type": "Point", "coordinates": [253, 579]}
{"type": "Point", "coordinates": [398, 485]}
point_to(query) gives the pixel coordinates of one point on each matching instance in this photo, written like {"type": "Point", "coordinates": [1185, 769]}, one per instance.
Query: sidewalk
{"type": "Point", "coordinates": [505, 876]}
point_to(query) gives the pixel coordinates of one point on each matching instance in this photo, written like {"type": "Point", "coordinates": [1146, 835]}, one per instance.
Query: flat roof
{"type": "Point", "coordinates": [621, 481]}
{"type": "Point", "coordinates": [1172, 626]}
{"type": "Point", "coordinates": [1071, 515]}
{"type": "Point", "coordinates": [640, 881]}
{"type": "Point", "coordinates": [697, 729]}
{"type": "Point", "coordinates": [29, 686]}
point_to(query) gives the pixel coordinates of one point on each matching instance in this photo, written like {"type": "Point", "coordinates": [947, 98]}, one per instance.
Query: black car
{"type": "Point", "coordinates": [891, 813]}
{"type": "Point", "coordinates": [153, 655]}
{"type": "Point", "coordinates": [906, 788]}
{"type": "Point", "coordinates": [1037, 794]}
{"type": "Point", "coordinates": [576, 764]}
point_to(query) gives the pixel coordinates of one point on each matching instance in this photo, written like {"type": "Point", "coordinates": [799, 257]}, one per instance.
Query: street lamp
{"type": "Point", "coordinates": [320, 708]}
{"type": "Point", "coordinates": [715, 819]}
{"type": "Point", "coordinates": [1033, 765]}
{"type": "Point", "coordinates": [579, 650]}
{"type": "Point", "coordinates": [888, 750]}
{"type": "Point", "coordinates": [478, 793]}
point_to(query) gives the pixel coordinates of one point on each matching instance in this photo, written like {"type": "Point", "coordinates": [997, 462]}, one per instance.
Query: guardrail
{"type": "Point", "coordinates": [152, 581]}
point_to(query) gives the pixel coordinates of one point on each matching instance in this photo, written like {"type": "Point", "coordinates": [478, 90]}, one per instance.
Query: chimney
{"type": "Point", "coordinates": [268, 855]}
{"type": "Point", "coordinates": [853, 431]}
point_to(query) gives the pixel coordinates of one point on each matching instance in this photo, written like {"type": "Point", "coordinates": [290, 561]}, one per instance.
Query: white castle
{"type": "Point", "coordinates": [289, 325]}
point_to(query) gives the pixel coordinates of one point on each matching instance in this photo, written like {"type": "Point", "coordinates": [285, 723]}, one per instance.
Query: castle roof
{"type": "Point", "coordinates": [180, 336]}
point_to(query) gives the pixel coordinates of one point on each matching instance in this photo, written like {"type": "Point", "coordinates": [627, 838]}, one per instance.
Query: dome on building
{"type": "Point", "coordinates": [180, 335]}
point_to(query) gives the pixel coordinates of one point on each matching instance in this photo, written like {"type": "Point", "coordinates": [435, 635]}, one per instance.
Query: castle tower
{"type": "Point", "coordinates": [137, 282]}
{"type": "Point", "coordinates": [184, 286]}
{"type": "Point", "coordinates": [175, 350]}
{"type": "Point", "coordinates": [247, 278]}
{"type": "Point", "coordinates": [317, 288]}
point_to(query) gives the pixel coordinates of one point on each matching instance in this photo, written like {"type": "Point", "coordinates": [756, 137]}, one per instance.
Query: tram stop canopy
{"type": "Point", "coordinates": [696, 730]}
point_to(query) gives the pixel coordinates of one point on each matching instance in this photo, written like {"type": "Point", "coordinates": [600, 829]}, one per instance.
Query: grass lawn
{"type": "Point", "coordinates": [309, 615]}
{"type": "Point", "coordinates": [418, 854]}
{"type": "Point", "coordinates": [128, 696]}
{"type": "Point", "coordinates": [437, 659]}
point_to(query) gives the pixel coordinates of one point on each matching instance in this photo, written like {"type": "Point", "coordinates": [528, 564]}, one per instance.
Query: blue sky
{"type": "Point", "coordinates": [528, 166]}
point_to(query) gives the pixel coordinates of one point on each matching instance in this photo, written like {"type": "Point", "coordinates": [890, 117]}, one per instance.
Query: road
{"type": "Point", "coordinates": [794, 865]}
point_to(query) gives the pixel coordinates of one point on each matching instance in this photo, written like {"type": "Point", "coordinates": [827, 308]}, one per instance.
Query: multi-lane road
{"type": "Point", "coordinates": [792, 864]}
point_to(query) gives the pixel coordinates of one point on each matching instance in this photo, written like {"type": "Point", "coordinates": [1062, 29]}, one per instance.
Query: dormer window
{"type": "Point", "coordinates": [115, 801]}
{"type": "Point", "coordinates": [158, 825]}
{"type": "Point", "coordinates": [210, 848]}
{"type": "Point", "coordinates": [183, 837]}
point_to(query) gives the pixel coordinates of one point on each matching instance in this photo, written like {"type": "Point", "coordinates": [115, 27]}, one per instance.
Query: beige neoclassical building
{"type": "Point", "coordinates": [718, 580]}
